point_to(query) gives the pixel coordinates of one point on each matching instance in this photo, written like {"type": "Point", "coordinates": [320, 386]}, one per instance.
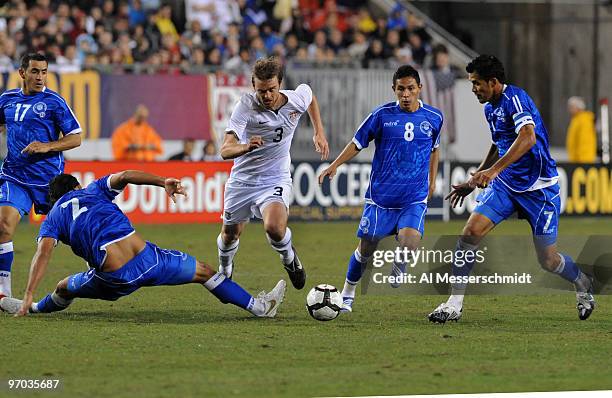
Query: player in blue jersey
{"type": "Point", "coordinates": [404, 168]}
{"type": "Point", "coordinates": [39, 126]}
{"type": "Point", "coordinates": [120, 260]}
{"type": "Point", "coordinates": [518, 175]}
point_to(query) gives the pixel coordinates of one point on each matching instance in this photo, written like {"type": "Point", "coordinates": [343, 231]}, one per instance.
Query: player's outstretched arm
{"type": "Point", "coordinates": [171, 185]}
{"type": "Point", "coordinates": [232, 148]}
{"type": "Point", "coordinates": [521, 145]}
{"type": "Point", "coordinates": [63, 144]}
{"type": "Point", "coordinates": [349, 152]}
{"type": "Point", "coordinates": [37, 271]}
{"type": "Point", "coordinates": [319, 139]}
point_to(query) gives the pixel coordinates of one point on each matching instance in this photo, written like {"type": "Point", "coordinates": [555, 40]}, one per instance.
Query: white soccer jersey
{"type": "Point", "coordinates": [270, 162]}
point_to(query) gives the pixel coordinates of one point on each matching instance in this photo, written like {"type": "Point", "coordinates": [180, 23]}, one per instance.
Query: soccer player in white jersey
{"type": "Point", "coordinates": [258, 138]}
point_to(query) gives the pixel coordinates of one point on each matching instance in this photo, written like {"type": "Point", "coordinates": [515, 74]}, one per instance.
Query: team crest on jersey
{"type": "Point", "coordinates": [364, 224]}
{"type": "Point", "coordinates": [40, 108]}
{"type": "Point", "coordinates": [294, 115]}
{"type": "Point", "coordinates": [426, 128]}
{"type": "Point", "coordinates": [501, 115]}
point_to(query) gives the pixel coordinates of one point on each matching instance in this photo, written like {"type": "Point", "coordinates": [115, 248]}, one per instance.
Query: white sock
{"type": "Point", "coordinates": [456, 300]}
{"type": "Point", "coordinates": [5, 276]}
{"type": "Point", "coordinates": [226, 254]}
{"type": "Point", "coordinates": [257, 307]}
{"type": "Point", "coordinates": [349, 289]}
{"type": "Point", "coordinates": [283, 247]}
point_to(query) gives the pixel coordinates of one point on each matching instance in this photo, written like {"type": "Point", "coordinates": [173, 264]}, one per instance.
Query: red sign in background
{"type": "Point", "coordinates": [204, 183]}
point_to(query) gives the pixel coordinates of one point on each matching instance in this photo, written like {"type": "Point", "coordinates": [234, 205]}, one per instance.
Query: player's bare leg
{"type": "Point", "coordinates": [227, 246]}
{"type": "Point", "coordinates": [275, 218]}
{"type": "Point", "coordinates": [476, 228]}
{"type": "Point", "coordinates": [563, 265]}
{"type": "Point", "coordinates": [408, 238]}
{"type": "Point", "coordinates": [356, 266]}
{"type": "Point", "coordinates": [9, 219]}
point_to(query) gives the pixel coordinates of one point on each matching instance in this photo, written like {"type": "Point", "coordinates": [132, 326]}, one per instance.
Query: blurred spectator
{"type": "Point", "coordinates": [420, 49]}
{"type": "Point", "coordinates": [69, 62]}
{"type": "Point", "coordinates": [163, 22]}
{"type": "Point", "coordinates": [581, 140]}
{"type": "Point", "coordinates": [135, 139]}
{"type": "Point", "coordinates": [374, 56]}
{"type": "Point", "coordinates": [136, 14]}
{"type": "Point", "coordinates": [444, 73]}
{"type": "Point", "coordinates": [185, 154]}
{"type": "Point", "coordinates": [210, 153]}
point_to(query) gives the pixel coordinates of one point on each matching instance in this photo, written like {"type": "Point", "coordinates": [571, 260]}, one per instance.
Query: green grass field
{"type": "Point", "coordinates": [180, 341]}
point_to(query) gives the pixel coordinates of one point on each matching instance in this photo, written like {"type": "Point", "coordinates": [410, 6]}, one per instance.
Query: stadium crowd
{"type": "Point", "coordinates": [194, 36]}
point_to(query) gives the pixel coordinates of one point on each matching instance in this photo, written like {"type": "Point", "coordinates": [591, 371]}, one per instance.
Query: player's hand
{"type": "Point", "coordinates": [330, 172]}
{"type": "Point", "coordinates": [255, 142]}
{"type": "Point", "coordinates": [174, 187]}
{"type": "Point", "coordinates": [482, 178]}
{"type": "Point", "coordinates": [321, 145]}
{"type": "Point", "coordinates": [458, 194]}
{"type": "Point", "coordinates": [36, 147]}
{"type": "Point", "coordinates": [25, 306]}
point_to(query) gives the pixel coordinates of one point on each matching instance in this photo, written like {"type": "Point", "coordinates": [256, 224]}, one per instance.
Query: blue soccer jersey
{"type": "Point", "coordinates": [39, 117]}
{"type": "Point", "coordinates": [536, 169]}
{"type": "Point", "coordinates": [404, 142]}
{"type": "Point", "coordinates": [87, 220]}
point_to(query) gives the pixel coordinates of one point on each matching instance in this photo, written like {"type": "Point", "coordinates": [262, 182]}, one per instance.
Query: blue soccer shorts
{"type": "Point", "coordinates": [378, 222]}
{"type": "Point", "coordinates": [540, 208]}
{"type": "Point", "coordinates": [151, 267]}
{"type": "Point", "coordinates": [22, 197]}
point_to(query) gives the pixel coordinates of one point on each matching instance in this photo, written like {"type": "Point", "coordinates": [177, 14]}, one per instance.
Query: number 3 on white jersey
{"type": "Point", "coordinates": [409, 131]}
{"type": "Point", "coordinates": [76, 211]}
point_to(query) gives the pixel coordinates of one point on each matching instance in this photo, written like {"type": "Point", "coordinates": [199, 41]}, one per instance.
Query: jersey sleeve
{"type": "Point", "coordinates": [238, 121]}
{"type": "Point", "coordinates": [102, 186]}
{"type": "Point", "coordinates": [518, 107]}
{"type": "Point", "coordinates": [367, 131]}
{"type": "Point", "coordinates": [66, 121]}
{"type": "Point", "coordinates": [48, 229]}
{"type": "Point", "coordinates": [437, 132]}
{"type": "Point", "coordinates": [304, 97]}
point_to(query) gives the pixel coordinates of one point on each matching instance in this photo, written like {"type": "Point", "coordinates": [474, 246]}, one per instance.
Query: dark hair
{"type": "Point", "coordinates": [406, 71]}
{"type": "Point", "coordinates": [487, 67]}
{"type": "Point", "coordinates": [25, 60]}
{"type": "Point", "coordinates": [267, 68]}
{"type": "Point", "coordinates": [61, 185]}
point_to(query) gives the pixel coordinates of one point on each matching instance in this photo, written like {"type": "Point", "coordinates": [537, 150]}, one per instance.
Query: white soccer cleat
{"type": "Point", "coordinates": [10, 305]}
{"type": "Point", "coordinates": [347, 305]}
{"type": "Point", "coordinates": [273, 299]}
{"type": "Point", "coordinates": [445, 312]}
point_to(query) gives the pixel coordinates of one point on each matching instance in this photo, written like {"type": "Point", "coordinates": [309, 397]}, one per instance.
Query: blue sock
{"type": "Point", "coordinates": [356, 266]}
{"type": "Point", "coordinates": [568, 269]}
{"type": "Point", "coordinates": [51, 303]}
{"type": "Point", "coordinates": [461, 265]}
{"type": "Point", "coordinates": [6, 263]}
{"type": "Point", "coordinates": [228, 291]}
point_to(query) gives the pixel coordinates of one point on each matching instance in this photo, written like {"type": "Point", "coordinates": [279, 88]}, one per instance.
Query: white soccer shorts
{"type": "Point", "coordinates": [243, 201]}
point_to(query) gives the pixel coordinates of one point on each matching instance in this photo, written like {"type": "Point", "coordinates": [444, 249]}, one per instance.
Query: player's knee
{"type": "Point", "coordinates": [6, 230]}
{"type": "Point", "coordinates": [276, 232]}
{"type": "Point", "coordinates": [549, 261]}
{"type": "Point", "coordinates": [62, 289]}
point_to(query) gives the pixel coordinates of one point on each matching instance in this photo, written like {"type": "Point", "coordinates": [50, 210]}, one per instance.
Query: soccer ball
{"type": "Point", "coordinates": [324, 302]}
